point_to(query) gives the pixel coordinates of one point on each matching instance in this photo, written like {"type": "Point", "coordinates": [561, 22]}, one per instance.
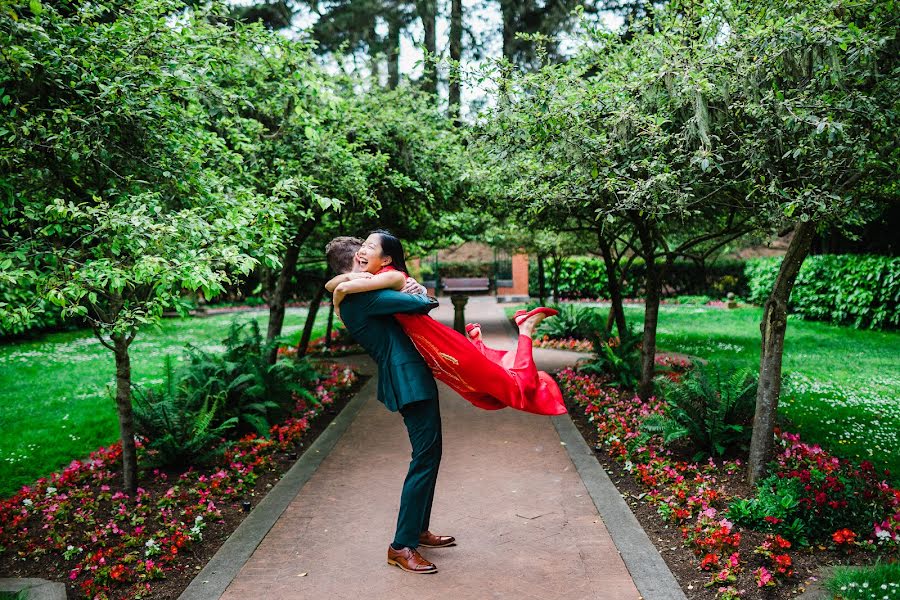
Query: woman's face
{"type": "Point", "coordinates": [370, 255]}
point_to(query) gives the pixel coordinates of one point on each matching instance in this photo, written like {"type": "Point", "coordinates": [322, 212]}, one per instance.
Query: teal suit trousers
{"type": "Point", "coordinates": [423, 423]}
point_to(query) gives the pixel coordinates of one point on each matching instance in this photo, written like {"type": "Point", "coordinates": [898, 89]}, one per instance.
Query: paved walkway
{"type": "Point", "coordinates": [525, 524]}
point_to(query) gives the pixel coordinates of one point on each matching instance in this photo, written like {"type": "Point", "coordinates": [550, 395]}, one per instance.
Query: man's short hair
{"type": "Point", "coordinates": [339, 253]}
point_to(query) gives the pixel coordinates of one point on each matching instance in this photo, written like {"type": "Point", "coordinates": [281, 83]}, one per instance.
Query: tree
{"type": "Point", "coordinates": [817, 127]}
{"type": "Point", "coordinates": [116, 188]}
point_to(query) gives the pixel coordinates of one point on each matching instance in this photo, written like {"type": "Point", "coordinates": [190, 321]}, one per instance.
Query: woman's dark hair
{"type": "Point", "coordinates": [391, 246]}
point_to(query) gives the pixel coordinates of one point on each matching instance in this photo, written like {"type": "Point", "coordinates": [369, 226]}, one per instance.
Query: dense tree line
{"type": "Point", "coordinates": [151, 148]}
{"type": "Point", "coordinates": [713, 121]}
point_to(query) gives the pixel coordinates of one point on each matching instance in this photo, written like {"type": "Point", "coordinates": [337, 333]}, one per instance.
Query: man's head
{"type": "Point", "coordinates": [341, 254]}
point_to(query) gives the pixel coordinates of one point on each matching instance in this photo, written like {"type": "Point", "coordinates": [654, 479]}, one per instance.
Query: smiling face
{"type": "Point", "coordinates": [370, 256]}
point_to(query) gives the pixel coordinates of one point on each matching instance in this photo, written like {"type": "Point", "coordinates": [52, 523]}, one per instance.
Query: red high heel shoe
{"type": "Point", "coordinates": [471, 327]}
{"type": "Point", "coordinates": [522, 315]}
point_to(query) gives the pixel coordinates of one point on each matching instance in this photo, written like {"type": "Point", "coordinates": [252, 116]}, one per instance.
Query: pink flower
{"type": "Point", "coordinates": [764, 578]}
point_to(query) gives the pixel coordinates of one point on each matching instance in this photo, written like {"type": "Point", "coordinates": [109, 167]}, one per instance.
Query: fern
{"type": "Point", "coordinates": [179, 433]}
{"type": "Point", "coordinates": [714, 409]}
{"type": "Point", "coordinates": [620, 359]}
{"type": "Point", "coordinates": [573, 321]}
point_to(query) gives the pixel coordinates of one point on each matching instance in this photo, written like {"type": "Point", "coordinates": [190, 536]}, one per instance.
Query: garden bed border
{"type": "Point", "coordinates": [649, 571]}
{"type": "Point", "coordinates": [212, 581]}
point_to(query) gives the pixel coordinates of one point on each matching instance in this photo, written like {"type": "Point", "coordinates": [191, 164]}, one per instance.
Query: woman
{"type": "Point", "coordinates": [488, 378]}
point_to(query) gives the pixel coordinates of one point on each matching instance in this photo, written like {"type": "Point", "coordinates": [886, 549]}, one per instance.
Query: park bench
{"type": "Point", "coordinates": [464, 285]}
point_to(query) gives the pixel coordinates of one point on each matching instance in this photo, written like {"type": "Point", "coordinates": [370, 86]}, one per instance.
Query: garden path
{"type": "Point", "coordinates": [525, 524]}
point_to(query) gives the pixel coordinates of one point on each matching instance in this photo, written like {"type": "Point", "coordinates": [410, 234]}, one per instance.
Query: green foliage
{"type": "Point", "coordinates": [585, 277]}
{"type": "Point", "coordinates": [858, 290]}
{"type": "Point", "coordinates": [254, 393]}
{"type": "Point", "coordinates": [179, 431]}
{"type": "Point", "coordinates": [811, 502]}
{"type": "Point", "coordinates": [573, 321]}
{"type": "Point", "coordinates": [711, 407]}
{"type": "Point", "coordinates": [619, 359]}
{"type": "Point", "coordinates": [779, 499]}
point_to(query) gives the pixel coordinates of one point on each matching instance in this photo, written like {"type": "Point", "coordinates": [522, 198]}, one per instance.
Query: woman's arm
{"type": "Point", "coordinates": [389, 280]}
{"type": "Point", "coordinates": [339, 279]}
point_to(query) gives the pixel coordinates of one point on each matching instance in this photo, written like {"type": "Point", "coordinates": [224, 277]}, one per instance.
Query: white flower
{"type": "Point", "coordinates": [28, 502]}
{"type": "Point", "coordinates": [51, 490]}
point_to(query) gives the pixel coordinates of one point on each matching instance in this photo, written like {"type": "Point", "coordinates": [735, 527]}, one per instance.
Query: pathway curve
{"type": "Point", "coordinates": [507, 490]}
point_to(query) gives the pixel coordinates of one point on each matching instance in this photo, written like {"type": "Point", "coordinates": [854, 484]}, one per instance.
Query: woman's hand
{"type": "Point", "coordinates": [360, 275]}
{"type": "Point", "coordinates": [339, 292]}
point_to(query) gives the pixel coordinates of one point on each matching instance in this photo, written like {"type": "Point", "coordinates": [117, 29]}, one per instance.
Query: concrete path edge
{"type": "Point", "coordinates": [223, 567]}
{"type": "Point", "coordinates": [35, 589]}
{"type": "Point", "coordinates": [651, 576]}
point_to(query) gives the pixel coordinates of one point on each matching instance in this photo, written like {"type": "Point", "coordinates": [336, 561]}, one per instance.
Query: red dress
{"type": "Point", "coordinates": [488, 378]}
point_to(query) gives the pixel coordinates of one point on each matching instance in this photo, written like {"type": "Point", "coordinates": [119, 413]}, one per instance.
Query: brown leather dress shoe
{"type": "Point", "coordinates": [409, 560]}
{"type": "Point", "coordinates": [429, 540]}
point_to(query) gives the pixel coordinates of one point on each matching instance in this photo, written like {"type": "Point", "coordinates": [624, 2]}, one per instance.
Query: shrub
{"type": "Point", "coordinates": [573, 321]}
{"type": "Point", "coordinates": [617, 358]}
{"type": "Point", "coordinates": [858, 290]}
{"type": "Point", "coordinates": [813, 496]}
{"type": "Point", "coordinates": [585, 277]}
{"type": "Point", "coordinates": [180, 433]}
{"type": "Point", "coordinates": [714, 409]}
{"type": "Point", "coordinates": [253, 392]}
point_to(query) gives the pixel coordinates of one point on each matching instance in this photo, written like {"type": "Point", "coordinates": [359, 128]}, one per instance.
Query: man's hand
{"type": "Point", "coordinates": [413, 287]}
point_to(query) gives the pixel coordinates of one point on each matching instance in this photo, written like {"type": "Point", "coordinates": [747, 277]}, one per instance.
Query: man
{"type": "Point", "coordinates": [405, 384]}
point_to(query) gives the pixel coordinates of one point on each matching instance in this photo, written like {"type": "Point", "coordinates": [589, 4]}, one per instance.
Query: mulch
{"type": "Point", "coordinates": [681, 561]}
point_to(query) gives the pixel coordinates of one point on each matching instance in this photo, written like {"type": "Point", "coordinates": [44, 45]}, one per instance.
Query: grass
{"type": "Point", "coordinates": [842, 386]}
{"type": "Point", "coordinates": [13, 595]}
{"type": "Point", "coordinates": [56, 400]}
{"type": "Point", "coordinates": [877, 581]}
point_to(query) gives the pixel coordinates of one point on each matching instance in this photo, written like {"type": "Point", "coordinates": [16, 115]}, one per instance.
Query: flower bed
{"type": "Point", "coordinates": [699, 499]}
{"type": "Point", "coordinates": [573, 344]}
{"type": "Point", "coordinates": [76, 526]}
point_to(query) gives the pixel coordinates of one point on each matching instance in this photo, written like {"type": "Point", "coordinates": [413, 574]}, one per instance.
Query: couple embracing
{"type": "Point", "coordinates": [386, 312]}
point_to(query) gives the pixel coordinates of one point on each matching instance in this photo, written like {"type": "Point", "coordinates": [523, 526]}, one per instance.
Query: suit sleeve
{"type": "Point", "coordinates": [389, 302]}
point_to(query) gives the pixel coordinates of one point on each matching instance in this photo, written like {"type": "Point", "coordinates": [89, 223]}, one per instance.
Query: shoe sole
{"type": "Point", "coordinates": [440, 546]}
{"type": "Point", "coordinates": [402, 568]}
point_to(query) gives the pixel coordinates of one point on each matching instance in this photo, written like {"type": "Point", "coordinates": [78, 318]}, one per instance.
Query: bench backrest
{"type": "Point", "coordinates": [466, 283]}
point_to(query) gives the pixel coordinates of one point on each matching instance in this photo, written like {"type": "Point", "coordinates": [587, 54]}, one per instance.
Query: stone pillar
{"type": "Point", "coordinates": [459, 312]}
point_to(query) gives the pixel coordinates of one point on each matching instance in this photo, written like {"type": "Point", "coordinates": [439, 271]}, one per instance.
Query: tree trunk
{"type": "Point", "coordinates": [330, 327]}
{"type": "Point", "coordinates": [125, 412]}
{"type": "Point", "coordinates": [393, 57]}
{"type": "Point", "coordinates": [557, 272]}
{"type": "Point", "coordinates": [541, 283]}
{"type": "Point", "coordinates": [653, 284]}
{"type": "Point", "coordinates": [773, 327]}
{"type": "Point", "coordinates": [278, 297]}
{"type": "Point", "coordinates": [456, 32]}
{"type": "Point", "coordinates": [616, 310]}
{"type": "Point", "coordinates": [508, 12]}
{"type": "Point", "coordinates": [427, 10]}
{"type": "Point", "coordinates": [310, 321]}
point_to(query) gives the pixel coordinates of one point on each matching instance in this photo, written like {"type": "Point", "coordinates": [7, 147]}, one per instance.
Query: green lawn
{"type": "Point", "coordinates": [843, 384]}
{"type": "Point", "coordinates": [56, 402]}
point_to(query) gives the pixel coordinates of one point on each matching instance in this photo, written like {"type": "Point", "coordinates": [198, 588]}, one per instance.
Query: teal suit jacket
{"type": "Point", "coordinates": [403, 376]}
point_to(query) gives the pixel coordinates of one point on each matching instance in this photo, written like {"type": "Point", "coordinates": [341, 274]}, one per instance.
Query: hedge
{"type": "Point", "coordinates": [844, 289]}
{"type": "Point", "coordinates": [585, 277]}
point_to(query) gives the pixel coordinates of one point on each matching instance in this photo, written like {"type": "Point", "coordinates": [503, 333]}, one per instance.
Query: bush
{"type": "Point", "coordinates": [585, 277]}
{"type": "Point", "coordinates": [812, 497]}
{"type": "Point", "coordinates": [858, 290]}
{"type": "Point", "coordinates": [617, 358]}
{"type": "Point", "coordinates": [253, 392]}
{"type": "Point", "coordinates": [712, 408]}
{"type": "Point", "coordinates": [179, 432]}
{"type": "Point", "coordinates": [573, 321]}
